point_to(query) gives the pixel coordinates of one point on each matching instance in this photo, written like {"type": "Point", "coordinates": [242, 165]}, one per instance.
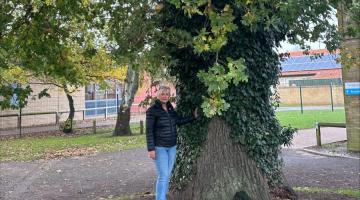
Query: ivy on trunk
{"type": "Point", "coordinates": [238, 155]}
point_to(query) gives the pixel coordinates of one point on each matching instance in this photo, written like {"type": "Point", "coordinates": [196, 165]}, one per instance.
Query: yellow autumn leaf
{"type": "Point", "coordinates": [15, 74]}
{"type": "Point", "coordinates": [248, 2]}
{"type": "Point", "coordinates": [85, 2]}
{"type": "Point", "coordinates": [206, 47]}
{"type": "Point", "coordinates": [348, 55]}
{"type": "Point", "coordinates": [118, 73]}
{"type": "Point", "coordinates": [48, 2]}
{"type": "Point", "coordinates": [226, 8]}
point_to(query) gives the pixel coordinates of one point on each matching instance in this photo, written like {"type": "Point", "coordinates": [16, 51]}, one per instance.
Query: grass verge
{"type": "Point", "coordinates": [308, 119]}
{"type": "Point", "coordinates": [342, 191]}
{"type": "Point", "coordinates": [33, 148]}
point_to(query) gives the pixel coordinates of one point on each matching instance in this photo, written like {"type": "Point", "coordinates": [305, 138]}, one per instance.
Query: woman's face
{"type": "Point", "coordinates": [164, 96]}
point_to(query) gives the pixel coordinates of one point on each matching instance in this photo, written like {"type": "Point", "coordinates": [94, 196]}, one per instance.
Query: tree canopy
{"type": "Point", "coordinates": [56, 42]}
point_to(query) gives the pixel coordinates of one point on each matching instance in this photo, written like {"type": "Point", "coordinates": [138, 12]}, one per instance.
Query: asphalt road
{"type": "Point", "coordinates": [131, 171]}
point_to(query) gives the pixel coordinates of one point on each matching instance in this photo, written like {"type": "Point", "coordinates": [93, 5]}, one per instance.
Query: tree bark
{"type": "Point", "coordinates": [350, 75]}
{"type": "Point", "coordinates": [223, 171]}
{"type": "Point", "coordinates": [123, 122]}
{"type": "Point", "coordinates": [131, 86]}
{"type": "Point", "coordinates": [68, 126]}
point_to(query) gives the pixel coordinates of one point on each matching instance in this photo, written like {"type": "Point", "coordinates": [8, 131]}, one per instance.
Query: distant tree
{"type": "Point", "coordinates": [34, 38]}
{"type": "Point", "coordinates": [129, 28]}
{"type": "Point", "coordinates": [55, 42]}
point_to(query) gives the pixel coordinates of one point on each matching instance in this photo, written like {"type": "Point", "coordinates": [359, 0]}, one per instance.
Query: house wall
{"type": "Point", "coordinates": [311, 96]}
{"type": "Point", "coordinates": [56, 103]}
{"type": "Point", "coordinates": [309, 74]}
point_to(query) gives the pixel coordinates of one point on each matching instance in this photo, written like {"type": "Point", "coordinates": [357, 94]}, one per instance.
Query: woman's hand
{"type": "Point", "coordinates": [151, 154]}
{"type": "Point", "coordinates": [195, 113]}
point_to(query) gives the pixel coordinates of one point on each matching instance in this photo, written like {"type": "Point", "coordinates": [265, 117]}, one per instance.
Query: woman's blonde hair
{"type": "Point", "coordinates": [162, 88]}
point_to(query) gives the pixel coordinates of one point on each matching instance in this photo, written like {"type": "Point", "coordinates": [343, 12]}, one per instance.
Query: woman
{"type": "Point", "coordinates": [161, 121]}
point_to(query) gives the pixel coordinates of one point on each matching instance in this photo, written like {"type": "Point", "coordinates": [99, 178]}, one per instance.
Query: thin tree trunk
{"type": "Point", "coordinates": [123, 122]}
{"type": "Point", "coordinates": [68, 126]}
{"type": "Point", "coordinates": [131, 86]}
{"type": "Point", "coordinates": [223, 171]}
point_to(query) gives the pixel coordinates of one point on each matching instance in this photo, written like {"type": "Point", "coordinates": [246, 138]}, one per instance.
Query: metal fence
{"type": "Point", "coordinates": [46, 116]}
{"type": "Point", "coordinates": [310, 97]}
{"type": "Point", "coordinates": [55, 123]}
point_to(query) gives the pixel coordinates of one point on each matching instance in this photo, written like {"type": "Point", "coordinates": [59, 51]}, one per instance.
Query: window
{"type": "Point", "coordinates": [99, 102]}
{"type": "Point", "coordinates": [14, 101]}
{"type": "Point", "coordinates": [90, 92]}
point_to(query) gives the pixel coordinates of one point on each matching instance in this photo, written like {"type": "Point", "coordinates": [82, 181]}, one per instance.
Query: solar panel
{"type": "Point", "coordinates": [306, 63]}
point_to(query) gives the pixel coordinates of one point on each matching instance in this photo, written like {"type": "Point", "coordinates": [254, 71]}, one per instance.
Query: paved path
{"type": "Point", "coordinates": [307, 138]}
{"type": "Point", "coordinates": [128, 172]}
{"type": "Point", "coordinates": [308, 170]}
{"type": "Point", "coordinates": [88, 177]}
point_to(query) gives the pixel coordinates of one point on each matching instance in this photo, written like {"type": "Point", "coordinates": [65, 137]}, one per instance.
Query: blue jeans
{"type": "Point", "coordinates": [164, 160]}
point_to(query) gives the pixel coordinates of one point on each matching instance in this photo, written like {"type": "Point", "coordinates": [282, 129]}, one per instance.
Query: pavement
{"type": "Point", "coordinates": [88, 177]}
{"type": "Point", "coordinates": [307, 137]}
{"type": "Point", "coordinates": [129, 172]}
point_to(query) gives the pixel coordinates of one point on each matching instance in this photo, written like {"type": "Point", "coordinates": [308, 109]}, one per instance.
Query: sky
{"type": "Point", "coordinates": [286, 47]}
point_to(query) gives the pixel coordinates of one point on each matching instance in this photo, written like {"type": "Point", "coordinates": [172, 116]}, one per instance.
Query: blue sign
{"type": "Point", "coordinates": [352, 91]}
{"type": "Point", "coordinates": [352, 88]}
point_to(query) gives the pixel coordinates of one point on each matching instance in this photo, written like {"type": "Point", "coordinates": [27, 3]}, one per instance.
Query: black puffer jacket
{"type": "Point", "coordinates": [161, 125]}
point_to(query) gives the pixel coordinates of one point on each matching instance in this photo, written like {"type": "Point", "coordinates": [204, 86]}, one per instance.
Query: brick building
{"type": "Point", "coordinates": [300, 69]}
{"type": "Point", "coordinates": [320, 79]}
{"type": "Point", "coordinates": [90, 102]}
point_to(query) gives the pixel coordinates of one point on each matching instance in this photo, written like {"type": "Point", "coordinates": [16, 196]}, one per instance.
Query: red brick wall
{"type": "Point", "coordinates": [142, 93]}
{"type": "Point", "coordinates": [319, 74]}
{"type": "Point", "coordinates": [315, 51]}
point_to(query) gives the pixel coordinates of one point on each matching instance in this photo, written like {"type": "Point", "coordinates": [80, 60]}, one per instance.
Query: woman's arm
{"type": "Point", "coordinates": [184, 120]}
{"type": "Point", "coordinates": [150, 122]}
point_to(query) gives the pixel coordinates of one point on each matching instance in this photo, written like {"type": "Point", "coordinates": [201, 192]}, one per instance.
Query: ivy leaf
{"type": "Point", "coordinates": [44, 93]}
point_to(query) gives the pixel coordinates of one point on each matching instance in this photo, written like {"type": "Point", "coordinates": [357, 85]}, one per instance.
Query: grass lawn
{"type": "Point", "coordinates": [309, 117]}
{"type": "Point", "coordinates": [342, 191]}
{"type": "Point", "coordinates": [32, 148]}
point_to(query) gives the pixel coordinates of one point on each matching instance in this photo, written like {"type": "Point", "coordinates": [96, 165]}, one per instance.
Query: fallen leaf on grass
{"type": "Point", "coordinates": [69, 152]}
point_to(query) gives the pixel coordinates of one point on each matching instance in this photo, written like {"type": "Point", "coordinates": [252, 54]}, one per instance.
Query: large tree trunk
{"type": "Point", "coordinates": [223, 171]}
{"type": "Point", "coordinates": [131, 86]}
{"type": "Point", "coordinates": [350, 53]}
{"type": "Point", "coordinates": [68, 126]}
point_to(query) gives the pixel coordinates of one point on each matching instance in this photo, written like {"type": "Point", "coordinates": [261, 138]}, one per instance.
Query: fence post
{"type": "Point", "coordinates": [57, 118]}
{"type": "Point", "coordinates": [83, 113]}
{"type": "Point", "coordinates": [106, 102]}
{"type": "Point", "coordinates": [19, 121]}
{"type": "Point", "coordinates": [331, 96]}
{"type": "Point", "coordinates": [301, 101]}
{"type": "Point", "coordinates": [318, 134]}
{"type": "Point", "coordinates": [141, 127]}
{"type": "Point", "coordinates": [94, 126]}
{"type": "Point", "coordinates": [117, 103]}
